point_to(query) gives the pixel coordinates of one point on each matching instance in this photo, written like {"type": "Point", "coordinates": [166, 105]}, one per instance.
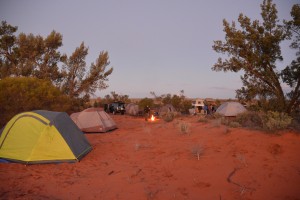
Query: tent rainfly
{"type": "Point", "coordinates": [230, 109]}
{"type": "Point", "coordinates": [42, 137]}
{"type": "Point", "coordinates": [132, 109]}
{"type": "Point", "coordinates": [93, 120]}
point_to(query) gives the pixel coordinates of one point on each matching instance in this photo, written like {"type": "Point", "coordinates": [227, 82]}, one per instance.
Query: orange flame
{"type": "Point", "coordinates": [152, 118]}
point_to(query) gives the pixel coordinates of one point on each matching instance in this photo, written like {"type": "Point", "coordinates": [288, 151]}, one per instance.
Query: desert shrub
{"type": "Point", "coordinates": [197, 150]}
{"type": "Point", "coordinates": [250, 120]}
{"type": "Point", "coordinates": [20, 94]}
{"type": "Point", "coordinates": [234, 124]}
{"type": "Point", "coordinates": [184, 127]}
{"type": "Point", "coordinates": [169, 116]}
{"type": "Point", "coordinates": [275, 121]}
{"type": "Point", "coordinates": [202, 119]}
{"type": "Point", "coordinates": [217, 115]}
{"type": "Point", "coordinates": [296, 122]}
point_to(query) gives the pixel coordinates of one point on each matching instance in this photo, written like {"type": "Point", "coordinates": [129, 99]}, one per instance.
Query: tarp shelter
{"type": "Point", "coordinates": [42, 137]}
{"type": "Point", "coordinates": [230, 109]}
{"type": "Point", "coordinates": [93, 120]}
{"type": "Point", "coordinates": [132, 109]}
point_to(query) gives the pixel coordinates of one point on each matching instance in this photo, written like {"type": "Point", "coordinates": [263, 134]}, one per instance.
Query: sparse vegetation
{"type": "Point", "coordinates": [270, 121]}
{"type": "Point", "coordinates": [202, 119]}
{"type": "Point", "coordinates": [276, 121]}
{"type": "Point", "coordinates": [197, 150]}
{"type": "Point", "coordinates": [184, 127]}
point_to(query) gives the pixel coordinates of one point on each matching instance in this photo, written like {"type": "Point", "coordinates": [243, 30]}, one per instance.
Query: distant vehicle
{"type": "Point", "coordinates": [115, 107]}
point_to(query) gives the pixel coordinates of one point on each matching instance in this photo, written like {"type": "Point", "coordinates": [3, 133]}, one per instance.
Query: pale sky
{"type": "Point", "coordinates": [154, 45]}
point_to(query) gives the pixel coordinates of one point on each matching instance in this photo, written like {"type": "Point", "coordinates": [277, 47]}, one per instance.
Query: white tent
{"type": "Point", "coordinates": [169, 108]}
{"type": "Point", "coordinates": [93, 120]}
{"type": "Point", "coordinates": [231, 109]}
{"type": "Point", "coordinates": [132, 109]}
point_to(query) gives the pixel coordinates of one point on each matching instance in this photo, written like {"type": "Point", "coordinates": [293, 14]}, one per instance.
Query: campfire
{"type": "Point", "coordinates": [152, 118]}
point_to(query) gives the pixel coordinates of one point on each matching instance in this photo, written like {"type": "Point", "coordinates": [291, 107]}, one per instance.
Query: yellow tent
{"type": "Point", "coordinates": [42, 137]}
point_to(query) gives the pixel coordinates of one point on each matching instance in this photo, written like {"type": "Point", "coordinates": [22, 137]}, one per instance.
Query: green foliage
{"type": "Point", "coordinates": [146, 102]}
{"type": "Point", "coordinates": [250, 119]}
{"type": "Point", "coordinates": [254, 48]}
{"type": "Point", "coordinates": [21, 94]}
{"type": "Point", "coordinates": [276, 121]}
{"type": "Point", "coordinates": [78, 80]}
{"type": "Point", "coordinates": [179, 102]}
{"type": "Point", "coordinates": [116, 97]}
{"type": "Point", "coordinates": [35, 56]}
{"type": "Point", "coordinates": [269, 121]}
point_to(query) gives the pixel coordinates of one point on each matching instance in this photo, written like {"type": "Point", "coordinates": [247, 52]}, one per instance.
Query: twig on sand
{"type": "Point", "coordinates": [242, 187]}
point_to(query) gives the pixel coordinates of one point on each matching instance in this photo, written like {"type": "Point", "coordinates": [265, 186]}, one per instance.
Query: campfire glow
{"type": "Point", "coordinates": [152, 118]}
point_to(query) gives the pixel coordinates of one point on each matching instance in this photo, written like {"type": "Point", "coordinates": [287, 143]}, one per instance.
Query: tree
{"type": "Point", "coordinates": [7, 49]}
{"type": "Point", "coordinates": [20, 94]}
{"type": "Point", "coordinates": [116, 97]}
{"type": "Point", "coordinates": [254, 49]}
{"type": "Point", "coordinates": [35, 56]}
{"type": "Point", "coordinates": [29, 55]}
{"type": "Point", "coordinates": [291, 74]}
{"type": "Point", "coordinates": [78, 80]}
{"type": "Point", "coordinates": [146, 102]}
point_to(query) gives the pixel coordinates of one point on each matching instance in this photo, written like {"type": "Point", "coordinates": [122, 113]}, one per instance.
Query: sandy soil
{"type": "Point", "coordinates": [155, 160]}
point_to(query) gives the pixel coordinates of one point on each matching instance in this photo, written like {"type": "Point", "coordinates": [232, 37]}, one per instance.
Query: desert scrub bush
{"type": "Point", "coordinates": [202, 119]}
{"type": "Point", "coordinates": [184, 127]}
{"type": "Point", "coordinates": [250, 120]}
{"type": "Point", "coordinates": [234, 124]}
{"type": "Point", "coordinates": [197, 150]}
{"type": "Point", "coordinates": [217, 115]}
{"type": "Point", "coordinates": [273, 121]}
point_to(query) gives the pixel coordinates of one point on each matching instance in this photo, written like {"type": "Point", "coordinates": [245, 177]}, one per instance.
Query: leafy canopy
{"type": "Point", "coordinates": [28, 55]}
{"type": "Point", "coordinates": [254, 48]}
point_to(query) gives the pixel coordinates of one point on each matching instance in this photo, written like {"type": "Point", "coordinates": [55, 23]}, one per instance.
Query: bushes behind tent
{"type": "Point", "coordinates": [268, 121]}
{"type": "Point", "coordinates": [20, 94]}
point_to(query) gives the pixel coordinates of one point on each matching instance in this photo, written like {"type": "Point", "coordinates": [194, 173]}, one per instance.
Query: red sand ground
{"type": "Point", "coordinates": [155, 160]}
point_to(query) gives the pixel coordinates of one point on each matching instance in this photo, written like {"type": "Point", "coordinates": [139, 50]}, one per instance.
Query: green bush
{"type": "Point", "coordinates": [250, 120]}
{"type": "Point", "coordinates": [276, 121]}
{"type": "Point", "coordinates": [234, 124]}
{"type": "Point", "coordinates": [270, 121]}
{"type": "Point", "coordinates": [20, 94]}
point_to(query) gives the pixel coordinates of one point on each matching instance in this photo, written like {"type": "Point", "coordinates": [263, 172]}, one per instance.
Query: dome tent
{"type": "Point", "coordinates": [168, 108]}
{"type": "Point", "coordinates": [230, 109]}
{"type": "Point", "coordinates": [132, 109]}
{"type": "Point", "coordinates": [42, 137]}
{"type": "Point", "coordinates": [93, 120]}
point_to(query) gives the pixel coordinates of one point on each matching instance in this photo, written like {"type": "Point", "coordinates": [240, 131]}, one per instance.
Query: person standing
{"type": "Point", "coordinates": [147, 112]}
